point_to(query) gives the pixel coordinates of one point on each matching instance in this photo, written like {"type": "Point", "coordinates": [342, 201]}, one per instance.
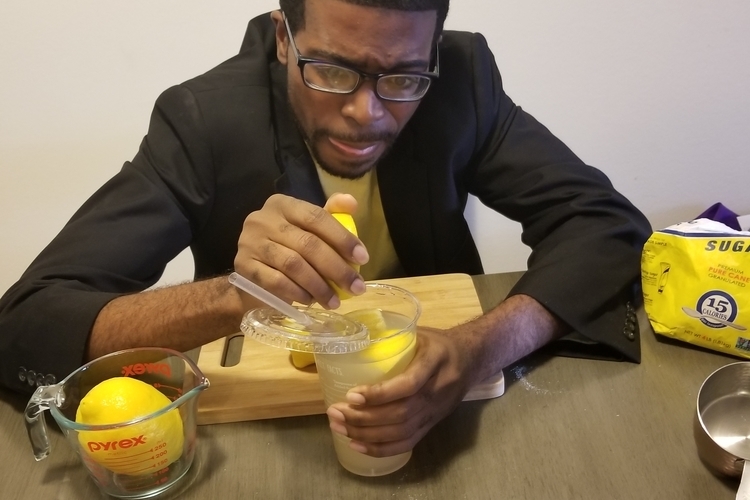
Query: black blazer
{"type": "Point", "coordinates": [219, 145]}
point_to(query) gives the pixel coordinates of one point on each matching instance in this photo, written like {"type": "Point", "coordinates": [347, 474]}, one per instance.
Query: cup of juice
{"type": "Point", "coordinates": [390, 314]}
{"type": "Point", "coordinates": [370, 338]}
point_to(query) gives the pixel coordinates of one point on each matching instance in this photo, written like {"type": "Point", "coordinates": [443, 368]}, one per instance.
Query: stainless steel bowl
{"type": "Point", "coordinates": [722, 423]}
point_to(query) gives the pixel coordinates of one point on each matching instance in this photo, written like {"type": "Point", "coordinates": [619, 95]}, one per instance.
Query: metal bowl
{"type": "Point", "coordinates": [722, 422]}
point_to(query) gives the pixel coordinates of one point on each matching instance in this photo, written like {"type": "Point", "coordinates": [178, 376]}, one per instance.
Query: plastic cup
{"type": "Point", "coordinates": [370, 338]}
{"type": "Point", "coordinates": [385, 357]}
{"type": "Point", "coordinates": [139, 458]}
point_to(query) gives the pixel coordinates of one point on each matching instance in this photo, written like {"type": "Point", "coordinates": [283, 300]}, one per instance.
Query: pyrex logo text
{"type": "Point", "coordinates": [114, 445]}
{"type": "Point", "coordinates": [141, 368]}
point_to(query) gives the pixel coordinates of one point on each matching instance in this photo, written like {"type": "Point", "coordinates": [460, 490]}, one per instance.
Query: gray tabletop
{"type": "Point", "coordinates": [565, 428]}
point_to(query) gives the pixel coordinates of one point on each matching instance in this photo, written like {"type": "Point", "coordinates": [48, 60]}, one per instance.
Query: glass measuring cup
{"type": "Point", "coordinates": [139, 458]}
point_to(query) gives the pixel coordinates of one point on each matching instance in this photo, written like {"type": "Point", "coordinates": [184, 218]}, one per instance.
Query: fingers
{"type": "Point", "coordinates": [386, 440]}
{"type": "Point", "coordinates": [398, 430]}
{"type": "Point", "coordinates": [396, 413]}
{"type": "Point", "coordinates": [392, 416]}
{"type": "Point", "coordinates": [425, 364]}
{"type": "Point", "coordinates": [397, 419]}
{"type": "Point", "coordinates": [290, 247]}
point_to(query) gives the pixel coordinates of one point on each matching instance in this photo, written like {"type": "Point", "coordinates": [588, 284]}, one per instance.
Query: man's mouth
{"type": "Point", "coordinates": [357, 149]}
{"type": "Point", "coordinates": [349, 155]}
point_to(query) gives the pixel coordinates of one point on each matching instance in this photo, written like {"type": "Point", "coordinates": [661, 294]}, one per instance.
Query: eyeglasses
{"type": "Point", "coordinates": [338, 79]}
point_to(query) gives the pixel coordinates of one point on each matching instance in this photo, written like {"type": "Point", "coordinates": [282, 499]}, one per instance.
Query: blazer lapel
{"type": "Point", "coordinates": [298, 178]}
{"type": "Point", "coordinates": [404, 190]}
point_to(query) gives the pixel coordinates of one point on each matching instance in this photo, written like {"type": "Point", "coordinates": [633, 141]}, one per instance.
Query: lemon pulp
{"type": "Point", "coordinates": [142, 448]}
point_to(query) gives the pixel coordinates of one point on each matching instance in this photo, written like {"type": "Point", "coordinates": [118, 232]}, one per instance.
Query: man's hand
{"type": "Point", "coordinates": [391, 417]}
{"type": "Point", "coordinates": [291, 247]}
{"type": "Point", "coordinates": [287, 247]}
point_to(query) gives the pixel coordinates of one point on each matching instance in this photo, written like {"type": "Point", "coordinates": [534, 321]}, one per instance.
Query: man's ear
{"type": "Point", "coordinates": [282, 42]}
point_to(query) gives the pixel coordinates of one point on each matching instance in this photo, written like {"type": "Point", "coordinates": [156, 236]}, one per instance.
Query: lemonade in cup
{"type": "Point", "coordinates": [370, 338]}
{"type": "Point", "coordinates": [393, 340]}
{"type": "Point", "coordinates": [129, 415]}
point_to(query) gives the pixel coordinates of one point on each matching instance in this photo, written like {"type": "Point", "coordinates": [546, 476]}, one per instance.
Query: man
{"type": "Point", "coordinates": [365, 97]}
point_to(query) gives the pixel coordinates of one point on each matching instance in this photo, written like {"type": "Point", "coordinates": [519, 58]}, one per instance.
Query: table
{"type": "Point", "coordinates": [565, 428]}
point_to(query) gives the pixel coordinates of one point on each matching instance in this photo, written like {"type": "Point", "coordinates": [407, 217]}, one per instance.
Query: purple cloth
{"type": "Point", "coordinates": [720, 213]}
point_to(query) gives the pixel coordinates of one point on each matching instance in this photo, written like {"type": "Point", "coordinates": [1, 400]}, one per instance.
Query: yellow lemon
{"type": "Point", "coordinates": [142, 448]}
{"type": "Point", "coordinates": [302, 359]}
{"type": "Point", "coordinates": [347, 221]}
{"type": "Point", "coordinates": [382, 347]}
{"type": "Point", "coordinates": [373, 319]}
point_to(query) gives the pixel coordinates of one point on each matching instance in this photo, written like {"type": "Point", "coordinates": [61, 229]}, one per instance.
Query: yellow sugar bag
{"type": "Point", "coordinates": [696, 285]}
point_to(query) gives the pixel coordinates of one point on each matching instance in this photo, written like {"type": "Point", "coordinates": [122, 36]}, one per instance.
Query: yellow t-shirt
{"type": "Point", "coordinates": [370, 220]}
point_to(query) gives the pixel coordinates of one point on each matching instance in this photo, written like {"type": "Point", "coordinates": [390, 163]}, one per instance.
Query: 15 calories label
{"type": "Point", "coordinates": [717, 304]}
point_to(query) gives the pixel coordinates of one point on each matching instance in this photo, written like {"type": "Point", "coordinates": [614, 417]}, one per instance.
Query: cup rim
{"type": "Point", "coordinates": [260, 325]}
{"type": "Point", "coordinates": [203, 384]}
{"type": "Point", "coordinates": [417, 305]}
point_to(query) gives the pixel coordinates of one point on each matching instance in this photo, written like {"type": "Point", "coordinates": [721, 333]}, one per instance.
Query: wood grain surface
{"type": "Point", "coordinates": [262, 383]}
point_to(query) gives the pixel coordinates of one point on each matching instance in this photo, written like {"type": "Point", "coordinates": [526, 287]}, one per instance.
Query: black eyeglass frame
{"type": "Point", "coordinates": [302, 61]}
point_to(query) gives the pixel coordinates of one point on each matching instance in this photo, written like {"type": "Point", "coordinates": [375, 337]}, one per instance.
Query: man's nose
{"type": "Point", "coordinates": [364, 106]}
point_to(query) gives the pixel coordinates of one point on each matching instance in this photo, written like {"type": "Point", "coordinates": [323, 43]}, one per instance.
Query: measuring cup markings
{"type": "Point", "coordinates": [177, 390]}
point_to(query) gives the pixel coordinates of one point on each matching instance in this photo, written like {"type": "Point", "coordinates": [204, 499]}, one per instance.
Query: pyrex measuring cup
{"type": "Point", "coordinates": [138, 458]}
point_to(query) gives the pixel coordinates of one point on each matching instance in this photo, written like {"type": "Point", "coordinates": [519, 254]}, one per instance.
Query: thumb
{"type": "Point", "coordinates": [340, 202]}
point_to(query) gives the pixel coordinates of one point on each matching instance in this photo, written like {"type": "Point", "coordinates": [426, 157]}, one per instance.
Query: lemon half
{"type": "Point", "coordinates": [302, 359]}
{"type": "Point", "coordinates": [382, 346]}
{"type": "Point", "coordinates": [387, 344]}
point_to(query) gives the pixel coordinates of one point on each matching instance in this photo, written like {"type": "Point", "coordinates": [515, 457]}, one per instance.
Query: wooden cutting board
{"type": "Point", "coordinates": [264, 384]}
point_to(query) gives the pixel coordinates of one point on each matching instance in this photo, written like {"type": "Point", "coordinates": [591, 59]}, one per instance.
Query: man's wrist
{"type": "Point", "coordinates": [515, 328]}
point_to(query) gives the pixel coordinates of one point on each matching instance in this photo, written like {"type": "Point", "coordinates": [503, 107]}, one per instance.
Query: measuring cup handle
{"type": "Point", "coordinates": [35, 424]}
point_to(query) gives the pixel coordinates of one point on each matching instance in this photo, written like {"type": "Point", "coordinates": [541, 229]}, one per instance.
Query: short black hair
{"type": "Point", "coordinates": [294, 10]}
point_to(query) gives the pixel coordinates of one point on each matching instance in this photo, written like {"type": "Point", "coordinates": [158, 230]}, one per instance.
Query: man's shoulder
{"type": "Point", "coordinates": [467, 66]}
{"type": "Point", "coordinates": [464, 56]}
{"type": "Point", "coordinates": [464, 42]}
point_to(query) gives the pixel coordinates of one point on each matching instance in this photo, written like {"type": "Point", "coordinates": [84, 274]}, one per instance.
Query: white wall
{"type": "Point", "coordinates": [653, 93]}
